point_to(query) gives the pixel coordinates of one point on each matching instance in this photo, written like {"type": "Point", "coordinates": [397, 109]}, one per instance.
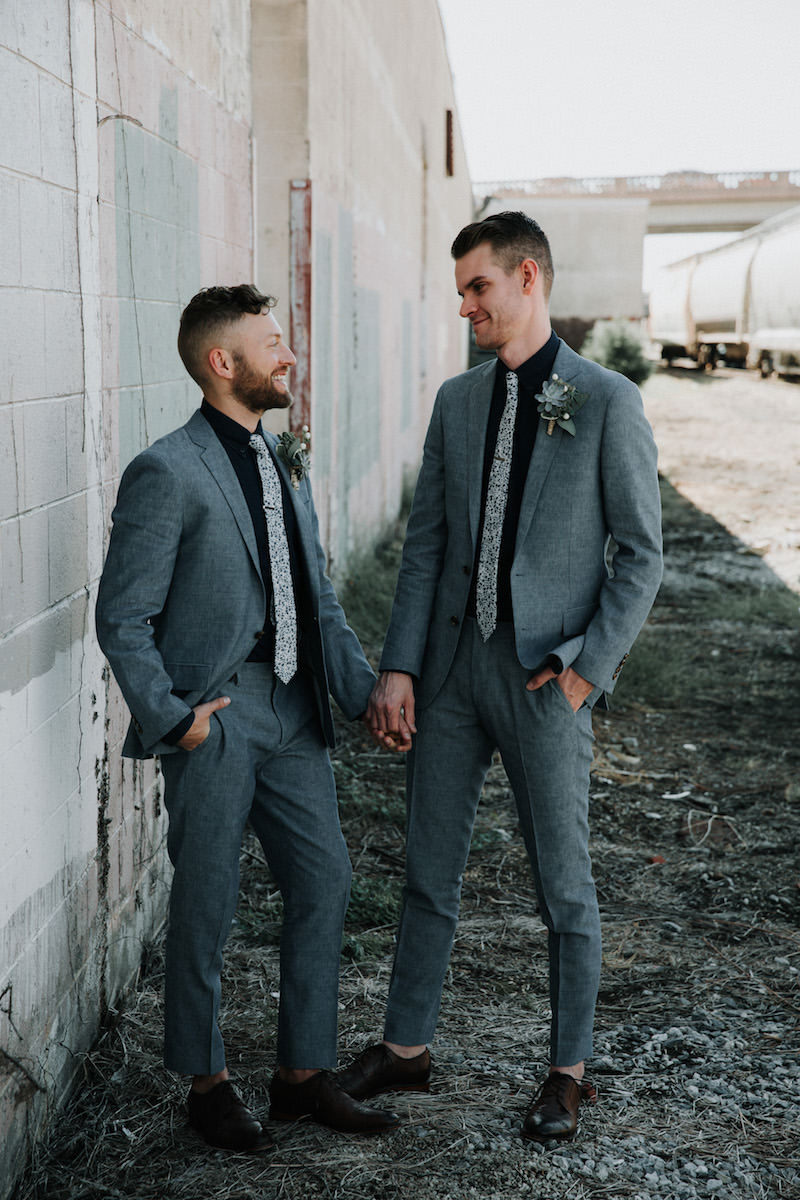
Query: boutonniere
{"type": "Point", "coordinates": [294, 451]}
{"type": "Point", "coordinates": [558, 402]}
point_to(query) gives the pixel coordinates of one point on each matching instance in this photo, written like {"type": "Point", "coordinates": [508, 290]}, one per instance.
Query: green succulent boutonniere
{"type": "Point", "coordinates": [294, 451]}
{"type": "Point", "coordinates": [558, 402]}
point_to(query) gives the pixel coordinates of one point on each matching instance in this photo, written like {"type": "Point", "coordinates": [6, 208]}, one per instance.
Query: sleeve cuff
{"type": "Point", "coordinates": [174, 736]}
{"type": "Point", "coordinates": [399, 671]}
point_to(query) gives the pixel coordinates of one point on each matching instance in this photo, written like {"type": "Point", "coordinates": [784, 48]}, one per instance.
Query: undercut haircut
{"type": "Point", "coordinates": [207, 314]}
{"type": "Point", "coordinates": [513, 236]}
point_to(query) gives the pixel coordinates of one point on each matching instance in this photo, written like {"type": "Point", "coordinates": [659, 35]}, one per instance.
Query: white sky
{"type": "Point", "coordinates": [626, 87]}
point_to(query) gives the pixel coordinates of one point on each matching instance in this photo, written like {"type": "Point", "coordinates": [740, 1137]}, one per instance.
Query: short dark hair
{"type": "Point", "coordinates": [513, 236]}
{"type": "Point", "coordinates": [209, 312]}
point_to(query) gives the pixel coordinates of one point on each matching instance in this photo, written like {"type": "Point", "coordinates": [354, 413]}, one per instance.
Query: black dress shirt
{"type": "Point", "coordinates": [531, 375]}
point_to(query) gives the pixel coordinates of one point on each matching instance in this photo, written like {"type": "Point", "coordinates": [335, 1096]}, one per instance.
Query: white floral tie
{"type": "Point", "coordinates": [496, 500]}
{"type": "Point", "coordinates": [284, 612]}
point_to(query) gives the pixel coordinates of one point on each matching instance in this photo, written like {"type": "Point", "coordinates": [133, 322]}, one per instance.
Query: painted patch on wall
{"type": "Point", "coordinates": [158, 271]}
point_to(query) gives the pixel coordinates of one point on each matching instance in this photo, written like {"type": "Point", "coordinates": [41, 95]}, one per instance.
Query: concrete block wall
{"type": "Point", "coordinates": [367, 130]}
{"type": "Point", "coordinates": [125, 185]}
{"type": "Point", "coordinates": [385, 211]}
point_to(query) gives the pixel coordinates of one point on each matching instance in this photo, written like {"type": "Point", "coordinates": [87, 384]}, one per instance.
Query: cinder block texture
{"type": "Point", "coordinates": [22, 347]}
{"type": "Point", "coordinates": [22, 147]}
{"type": "Point", "coordinates": [10, 243]}
{"type": "Point", "coordinates": [384, 317]}
{"type": "Point", "coordinates": [104, 224]}
{"type": "Point", "coordinates": [12, 449]}
{"type": "Point", "coordinates": [40, 33]}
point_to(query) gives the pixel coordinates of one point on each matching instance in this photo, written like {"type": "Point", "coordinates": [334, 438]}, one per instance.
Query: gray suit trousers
{"type": "Point", "coordinates": [264, 761]}
{"type": "Point", "coordinates": [546, 749]}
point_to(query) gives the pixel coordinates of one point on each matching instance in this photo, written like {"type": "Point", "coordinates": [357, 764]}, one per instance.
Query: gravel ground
{"type": "Point", "coordinates": [695, 814]}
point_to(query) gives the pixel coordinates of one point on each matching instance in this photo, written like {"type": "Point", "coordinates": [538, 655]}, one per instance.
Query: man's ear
{"type": "Point", "coordinates": [220, 362]}
{"type": "Point", "coordinates": [530, 273]}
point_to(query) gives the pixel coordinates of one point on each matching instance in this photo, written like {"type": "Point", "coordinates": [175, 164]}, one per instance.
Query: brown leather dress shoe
{"type": "Point", "coordinates": [378, 1069]}
{"type": "Point", "coordinates": [553, 1115]}
{"type": "Point", "coordinates": [222, 1119]}
{"type": "Point", "coordinates": [322, 1099]}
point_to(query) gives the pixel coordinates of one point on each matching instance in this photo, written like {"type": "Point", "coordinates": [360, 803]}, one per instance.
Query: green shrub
{"type": "Point", "coordinates": [374, 901]}
{"type": "Point", "coordinates": [618, 346]}
{"type": "Point", "coordinates": [367, 590]}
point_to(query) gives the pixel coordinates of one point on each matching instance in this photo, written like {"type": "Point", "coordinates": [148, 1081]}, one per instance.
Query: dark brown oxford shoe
{"type": "Point", "coordinates": [553, 1115]}
{"type": "Point", "coordinates": [221, 1117]}
{"type": "Point", "coordinates": [378, 1069]}
{"type": "Point", "coordinates": [323, 1100]}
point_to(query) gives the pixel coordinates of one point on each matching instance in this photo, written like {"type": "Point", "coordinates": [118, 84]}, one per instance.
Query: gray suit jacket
{"type": "Point", "coordinates": [182, 601]}
{"type": "Point", "coordinates": [580, 493]}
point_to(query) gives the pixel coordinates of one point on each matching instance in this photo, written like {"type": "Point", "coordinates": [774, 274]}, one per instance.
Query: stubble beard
{"type": "Point", "coordinates": [486, 338]}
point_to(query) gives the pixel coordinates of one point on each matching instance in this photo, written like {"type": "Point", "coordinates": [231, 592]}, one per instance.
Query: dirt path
{"type": "Point", "coordinates": [695, 809]}
{"type": "Point", "coordinates": [730, 442]}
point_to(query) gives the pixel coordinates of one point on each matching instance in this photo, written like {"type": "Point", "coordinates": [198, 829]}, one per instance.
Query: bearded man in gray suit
{"type": "Point", "coordinates": [513, 615]}
{"type": "Point", "coordinates": [225, 636]}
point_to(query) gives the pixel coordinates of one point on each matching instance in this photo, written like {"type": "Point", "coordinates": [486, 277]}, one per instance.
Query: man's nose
{"type": "Point", "coordinates": [467, 306]}
{"type": "Point", "coordinates": [288, 358]}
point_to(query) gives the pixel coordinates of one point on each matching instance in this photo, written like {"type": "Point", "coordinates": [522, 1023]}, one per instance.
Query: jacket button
{"type": "Point", "coordinates": [454, 621]}
{"type": "Point", "coordinates": [259, 634]}
{"type": "Point", "coordinates": [466, 570]}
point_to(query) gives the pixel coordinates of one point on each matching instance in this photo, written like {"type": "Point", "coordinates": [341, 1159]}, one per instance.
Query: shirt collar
{"type": "Point", "coordinates": [537, 368]}
{"type": "Point", "coordinates": [226, 428]}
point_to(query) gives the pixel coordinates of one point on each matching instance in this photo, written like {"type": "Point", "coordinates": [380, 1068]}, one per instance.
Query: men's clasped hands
{"type": "Point", "coordinates": [390, 713]}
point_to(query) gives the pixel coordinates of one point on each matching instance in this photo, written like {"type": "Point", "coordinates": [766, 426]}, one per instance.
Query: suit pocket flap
{"type": "Point", "coordinates": [575, 620]}
{"type": "Point", "coordinates": [188, 677]}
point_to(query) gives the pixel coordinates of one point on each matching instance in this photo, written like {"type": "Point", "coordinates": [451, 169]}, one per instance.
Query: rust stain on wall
{"type": "Point", "coordinates": [300, 299]}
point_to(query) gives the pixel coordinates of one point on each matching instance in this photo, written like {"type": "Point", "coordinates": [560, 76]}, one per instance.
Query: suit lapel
{"type": "Point", "coordinates": [214, 458]}
{"type": "Point", "coordinates": [479, 404]}
{"type": "Point", "coordinates": [545, 448]}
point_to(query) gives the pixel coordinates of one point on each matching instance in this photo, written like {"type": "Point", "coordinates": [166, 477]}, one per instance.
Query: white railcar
{"type": "Point", "coordinates": [774, 298]}
{"type": "Point", "coordinates": [739, 302]}
{"type": "Point", "coordinates": [670, 320]}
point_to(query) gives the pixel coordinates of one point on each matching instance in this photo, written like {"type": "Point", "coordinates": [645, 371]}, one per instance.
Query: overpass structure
{"type": "Point", "coordinates": [597, 227]}
{"type": "Point", "coordinates": [680, 202]}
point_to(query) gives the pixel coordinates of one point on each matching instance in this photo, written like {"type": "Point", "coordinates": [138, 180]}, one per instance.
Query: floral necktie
{"type": "Point", "coordinates": [284, 613]}
{"type": "Point", "coordinates": [496, 500]}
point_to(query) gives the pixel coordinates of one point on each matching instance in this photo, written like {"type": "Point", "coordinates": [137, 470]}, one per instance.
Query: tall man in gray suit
{"type": "Point", "coordinates": [226, 637]}
{"type": "Point", "coordinates": [508, 625]}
